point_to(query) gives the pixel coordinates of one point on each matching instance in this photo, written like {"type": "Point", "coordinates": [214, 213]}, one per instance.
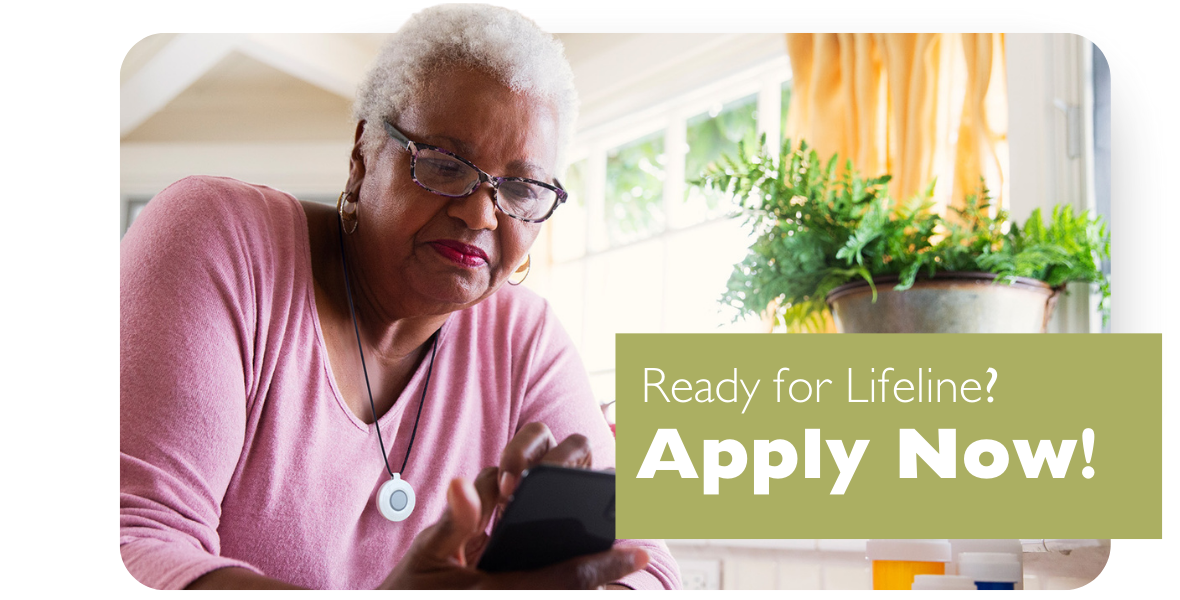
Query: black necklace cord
{"type": "Point", "coordinates": [421, 402]}
{"type": "Point", "coordinates": [372, 407]}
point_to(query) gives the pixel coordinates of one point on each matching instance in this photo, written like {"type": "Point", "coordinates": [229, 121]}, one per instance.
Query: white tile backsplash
{"type": "Point", "coordinates": [845, 577]}
{"type": "Point", "coordinates": [842, 545]}
{"type": "Point", "coordinates": [781, 564]}
{"type": "Point", "coordinates": [799, 575]}
{"type": "Point", "coordinates": [767, 544]}
{"type": "Point", "coordinates": [700, 574]}
{"type": "Point", "coordinates": [749, 574]}
{"type": "Point", "coordinates": [840, 564]}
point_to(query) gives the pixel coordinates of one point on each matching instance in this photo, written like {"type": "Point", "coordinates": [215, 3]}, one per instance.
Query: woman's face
{"type": "Point", "coordinates": [418, 253]}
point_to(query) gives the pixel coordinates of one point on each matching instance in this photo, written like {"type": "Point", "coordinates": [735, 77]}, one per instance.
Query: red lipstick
{"type": "Point", "coordinates": [460, 253]}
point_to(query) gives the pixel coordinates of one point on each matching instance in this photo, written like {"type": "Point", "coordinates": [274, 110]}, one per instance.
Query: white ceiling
{"type": "Point", "coordinates": [201, 88]}
{"type": "Point", "coordinates": [238, 87]}
{"type": "Point", "coordinates": [276, 108]}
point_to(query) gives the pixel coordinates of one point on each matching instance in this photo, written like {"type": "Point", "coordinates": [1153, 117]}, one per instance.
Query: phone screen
{"type": "Point", "coordinates": [555, 514]}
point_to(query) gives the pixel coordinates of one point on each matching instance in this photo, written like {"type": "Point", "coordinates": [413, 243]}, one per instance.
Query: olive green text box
{"type": "Point", "coordinates": [1045, 387]}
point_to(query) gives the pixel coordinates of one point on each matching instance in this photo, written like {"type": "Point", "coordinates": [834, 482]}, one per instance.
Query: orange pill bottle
{"type": "Point", "coordinates": [896, 562]}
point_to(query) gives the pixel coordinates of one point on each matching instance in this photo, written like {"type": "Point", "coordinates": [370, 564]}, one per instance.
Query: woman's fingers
{"type": "Point", "coordinates": [536, 444]}
{"type": "Point", "coordinates": [447, 539]}
{"type": "Point", "coordinates": [529, 445]}
{"type": "Point", "coordinates": [441, 556]}
{"type": "Point", "coordinates": [584, 573]}
{"type": "Point", "coordinates": [591, 572]}
{"type": "Point", "coordinates": [574, 451]}
{"type": "Point", "coordinates": [488, 488]}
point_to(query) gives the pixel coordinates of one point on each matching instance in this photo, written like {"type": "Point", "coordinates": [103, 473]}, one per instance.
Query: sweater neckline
{"type": "Point", "coordinates": [410, 395]}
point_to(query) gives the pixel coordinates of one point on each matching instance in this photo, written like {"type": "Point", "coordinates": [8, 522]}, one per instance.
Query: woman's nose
{"type": "Point", "coordinates": [477, 210]}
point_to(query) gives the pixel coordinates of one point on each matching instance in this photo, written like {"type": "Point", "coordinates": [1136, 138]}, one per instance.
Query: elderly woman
{"type": "Point", "coordinates": [341, 398]}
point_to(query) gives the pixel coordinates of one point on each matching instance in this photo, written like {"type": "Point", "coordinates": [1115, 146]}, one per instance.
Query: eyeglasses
{"type": "Point", "coordinates": [447, 174]}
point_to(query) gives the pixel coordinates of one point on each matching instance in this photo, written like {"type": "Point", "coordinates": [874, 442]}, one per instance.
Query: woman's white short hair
{"type": "Point", "coordinates": [501, 42]}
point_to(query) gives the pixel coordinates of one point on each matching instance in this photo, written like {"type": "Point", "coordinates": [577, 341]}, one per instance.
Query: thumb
{"type": "Point", "coordinates": [448, 537]}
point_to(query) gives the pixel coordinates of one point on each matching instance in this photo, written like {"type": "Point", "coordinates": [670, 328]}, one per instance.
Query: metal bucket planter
{"type": "Point", "coordinates": [945, 303]}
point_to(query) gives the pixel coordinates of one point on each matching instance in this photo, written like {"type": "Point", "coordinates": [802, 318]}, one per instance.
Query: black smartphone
{"type": "Point", "coordinates": [554, 515]}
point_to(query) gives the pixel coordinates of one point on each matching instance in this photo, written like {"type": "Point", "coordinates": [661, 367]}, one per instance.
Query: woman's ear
{"type": "Point", "coordinates": [356, 164]}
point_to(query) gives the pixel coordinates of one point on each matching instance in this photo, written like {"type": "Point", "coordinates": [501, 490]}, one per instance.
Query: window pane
{"type": "Point", "coordinates": [711, 135]}
{"type": "Point", "coordinates": [786, 96]}
{"type": "Point", "coordinates": [567, 226]}
{"type": "Point", "coordinates": [635, 190]}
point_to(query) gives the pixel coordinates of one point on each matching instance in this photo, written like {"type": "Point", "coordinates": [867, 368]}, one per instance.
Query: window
{"type": "Point", "coordinates": [1054, 100]}
{"type": "Point", "coordinates": [638, 248]}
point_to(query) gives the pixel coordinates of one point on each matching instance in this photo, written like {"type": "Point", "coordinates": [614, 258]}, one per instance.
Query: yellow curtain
{"type": "Point", "coordinates": [916, 105]}
{"type": "Point", "coordinates": [982, 149]}
{"type": "Point", "coordinates": [920, 106]}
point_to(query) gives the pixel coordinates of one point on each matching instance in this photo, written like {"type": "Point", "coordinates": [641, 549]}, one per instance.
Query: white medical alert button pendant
{"type": "Point", "coordinates": [395, 499]}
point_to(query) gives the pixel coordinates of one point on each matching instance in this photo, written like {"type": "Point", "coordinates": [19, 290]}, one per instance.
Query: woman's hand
{"type": "Point", "coordinates": [442, 556]}
{"type": "Point", "coordinates": [534, 444]}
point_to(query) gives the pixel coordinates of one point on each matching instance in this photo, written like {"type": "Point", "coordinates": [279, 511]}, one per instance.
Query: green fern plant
{"type": "Point", "coordinates": [817, 227]}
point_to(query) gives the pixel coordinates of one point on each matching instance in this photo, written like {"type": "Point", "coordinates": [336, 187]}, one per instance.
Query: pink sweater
{"type": "Point", "coordinates": [236, 448]}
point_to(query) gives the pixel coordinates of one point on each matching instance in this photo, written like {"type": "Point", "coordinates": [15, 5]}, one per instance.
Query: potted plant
{"type": "Point", "coordinates": [830, 240]}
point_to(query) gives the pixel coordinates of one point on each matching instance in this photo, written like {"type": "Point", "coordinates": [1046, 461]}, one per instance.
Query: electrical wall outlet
{"type": "Point", "coordinates": [700, 574]}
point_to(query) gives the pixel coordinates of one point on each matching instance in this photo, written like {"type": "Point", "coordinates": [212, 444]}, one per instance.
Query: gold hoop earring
{"type": "Point", "coordinates": [348, 212]}
{"type": "Point", "coordinates": [527, 267]}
